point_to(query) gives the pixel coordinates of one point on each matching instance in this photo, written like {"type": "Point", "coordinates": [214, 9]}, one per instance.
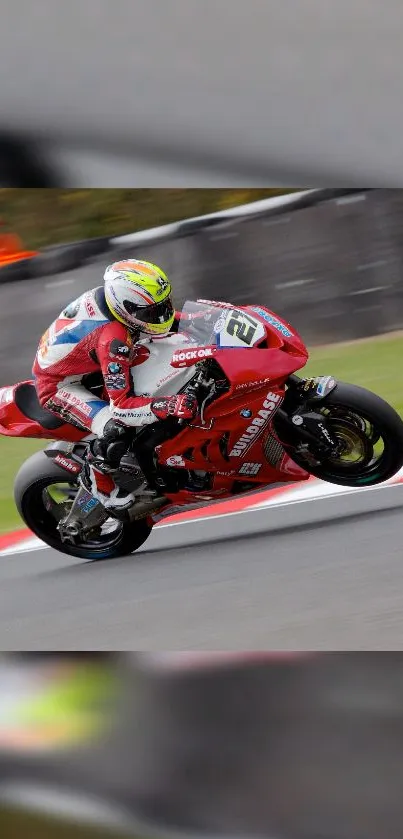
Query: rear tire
{"type": "Point", "coordinates": [39, 472]}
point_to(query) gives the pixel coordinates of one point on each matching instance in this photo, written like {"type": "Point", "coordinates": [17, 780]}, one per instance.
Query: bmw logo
{"type": "Point", "coordinates": [246, 412]}
{"type": "Point", "coordinates": [114, 367]}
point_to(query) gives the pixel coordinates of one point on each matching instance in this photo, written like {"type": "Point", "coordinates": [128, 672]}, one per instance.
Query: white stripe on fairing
{"type": "Point", "coordinates": [307, 492]}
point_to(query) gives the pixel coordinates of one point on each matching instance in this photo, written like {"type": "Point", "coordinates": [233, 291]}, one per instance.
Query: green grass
{"type": "Point", "coordinates": [376, 364]}
{"type": "Point", "coordinates": [13, 452]}
{"type": "Point", "coordinates": [31, 825]}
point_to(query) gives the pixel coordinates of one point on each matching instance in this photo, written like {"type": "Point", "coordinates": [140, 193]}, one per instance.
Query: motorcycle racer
{"type": "Point", "coordinates": [100, 331]}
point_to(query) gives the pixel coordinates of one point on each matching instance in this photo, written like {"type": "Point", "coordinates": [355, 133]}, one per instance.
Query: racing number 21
{"type": "Point", "coordinates": [242, 326]}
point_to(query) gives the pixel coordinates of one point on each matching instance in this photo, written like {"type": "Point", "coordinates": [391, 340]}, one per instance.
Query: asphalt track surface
{"type": "Point", "coordinates": [217, 92]}
{"type": "Point", "coordinates": [338, 585]}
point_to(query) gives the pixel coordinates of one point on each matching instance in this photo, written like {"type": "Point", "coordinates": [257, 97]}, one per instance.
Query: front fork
{"type": "Point", "coordinates": [300, 424]}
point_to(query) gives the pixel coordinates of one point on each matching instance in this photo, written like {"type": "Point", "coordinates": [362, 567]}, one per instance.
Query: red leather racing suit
{"type": "Point", "coordinates": [85, 339]}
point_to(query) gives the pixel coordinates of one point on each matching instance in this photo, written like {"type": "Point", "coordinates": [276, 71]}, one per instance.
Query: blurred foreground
{"type": "Point", "coordinates": [304, 746]}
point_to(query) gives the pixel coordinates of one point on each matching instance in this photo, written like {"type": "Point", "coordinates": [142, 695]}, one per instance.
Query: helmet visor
{"type": "Point", "coordinates": [157, 313]}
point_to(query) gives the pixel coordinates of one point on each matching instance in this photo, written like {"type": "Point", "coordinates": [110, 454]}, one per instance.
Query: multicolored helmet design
{"type": "Point", "coordinates": [138, 294]}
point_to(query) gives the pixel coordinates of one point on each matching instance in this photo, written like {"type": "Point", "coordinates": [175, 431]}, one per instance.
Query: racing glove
{"type": "Point", "coordinates": [181, 406]}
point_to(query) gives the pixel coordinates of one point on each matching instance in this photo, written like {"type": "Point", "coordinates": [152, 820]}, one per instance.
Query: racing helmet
{"type": "Point", "coordinates": [138, 294]}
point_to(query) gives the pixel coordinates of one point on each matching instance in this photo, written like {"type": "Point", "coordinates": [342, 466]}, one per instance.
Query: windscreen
{"type": "Point", "coordinates": [225, 327]}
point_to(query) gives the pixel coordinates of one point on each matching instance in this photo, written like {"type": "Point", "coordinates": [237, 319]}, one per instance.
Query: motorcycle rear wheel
{"type": "Point", "coordinates": [36, 484]}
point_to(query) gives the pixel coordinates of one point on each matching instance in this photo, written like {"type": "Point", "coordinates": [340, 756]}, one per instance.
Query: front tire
{"type": "Point", "coordinates": [360, 419]}
{"type": "Point", "coordinates": [35, 477]}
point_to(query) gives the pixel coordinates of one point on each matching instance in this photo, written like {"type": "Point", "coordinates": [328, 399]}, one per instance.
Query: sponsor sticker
{"type": "Point", "coordinates": [250, 469]}
{"type": "Point", "coordinates": [114, 367]}
{"type": "Point", "coordinates": [115, 382]}
{"type": "Point", "coordinates": [277, 324]}
{"type": "Point", "coordinates": [327, 382]}
{"type": "Point", "coordinates": [310, 384]}
{"type": "Point", "coordinates": [256, 383]}
{"type": "Point", "coordinates": [142, 414]}
{"type": "Point", "coordinates": [70, 465]}
{"type": "Point", "coordinates": [175, 460]}
{"type": "Point", "coordinates": [74, 400]}
{"type": "Point", "coordinates": [191, 355]}
{"type": "Point", "coordinates": [258, 424]}
{"type": "Point", "coordinates": [163, 284]}
{"type": "Point", "coordinates": [90, 308]}
{"type": "Point", "coordinates": [220, 324]}
{"type": "Point", "coordinates": [319, 385]}
{"type": "Point", "coordinates": [166, 379]}
{"type": "Point", "coordinates": [118, 349]}
{"type": "Point", "coordinates": [325, 433]}
{"type": "Point", "coordinates": [87, 503]}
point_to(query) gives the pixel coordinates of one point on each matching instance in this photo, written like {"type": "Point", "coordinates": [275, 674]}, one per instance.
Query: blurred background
{"type": "Point", "coordinates": [297, 746]}
{"type": "Point", "coordinates": [332, 267]}
{"type": "Point", "coordinates": [212, 94]}
{"type": "Point", "coordinates": [46, 217]}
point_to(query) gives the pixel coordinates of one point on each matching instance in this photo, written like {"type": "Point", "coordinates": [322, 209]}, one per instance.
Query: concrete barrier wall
{"type": "Point", "coordinates": [329, 261]}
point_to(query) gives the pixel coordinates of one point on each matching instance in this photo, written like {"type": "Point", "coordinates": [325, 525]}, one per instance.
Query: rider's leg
{"type": "Point", "coordinates": [103, 459]}
{"type": "Point", "coordinates": [81, 408]}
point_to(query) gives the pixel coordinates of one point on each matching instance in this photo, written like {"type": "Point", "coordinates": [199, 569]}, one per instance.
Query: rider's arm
{"type": "Point", "coordinates": [116, 355]}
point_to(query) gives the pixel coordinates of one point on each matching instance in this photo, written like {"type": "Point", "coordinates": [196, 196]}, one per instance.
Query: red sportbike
{"type": "Point", "coordinates": [258, 424]}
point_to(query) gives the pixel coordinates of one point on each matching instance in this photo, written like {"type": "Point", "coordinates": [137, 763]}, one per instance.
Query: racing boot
{"type": "Point", "coordinates": [102, 460]}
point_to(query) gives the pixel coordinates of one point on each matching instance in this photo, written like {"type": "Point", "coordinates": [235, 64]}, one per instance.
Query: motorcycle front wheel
{"type": "Point", "coordinates": [370, 434]}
